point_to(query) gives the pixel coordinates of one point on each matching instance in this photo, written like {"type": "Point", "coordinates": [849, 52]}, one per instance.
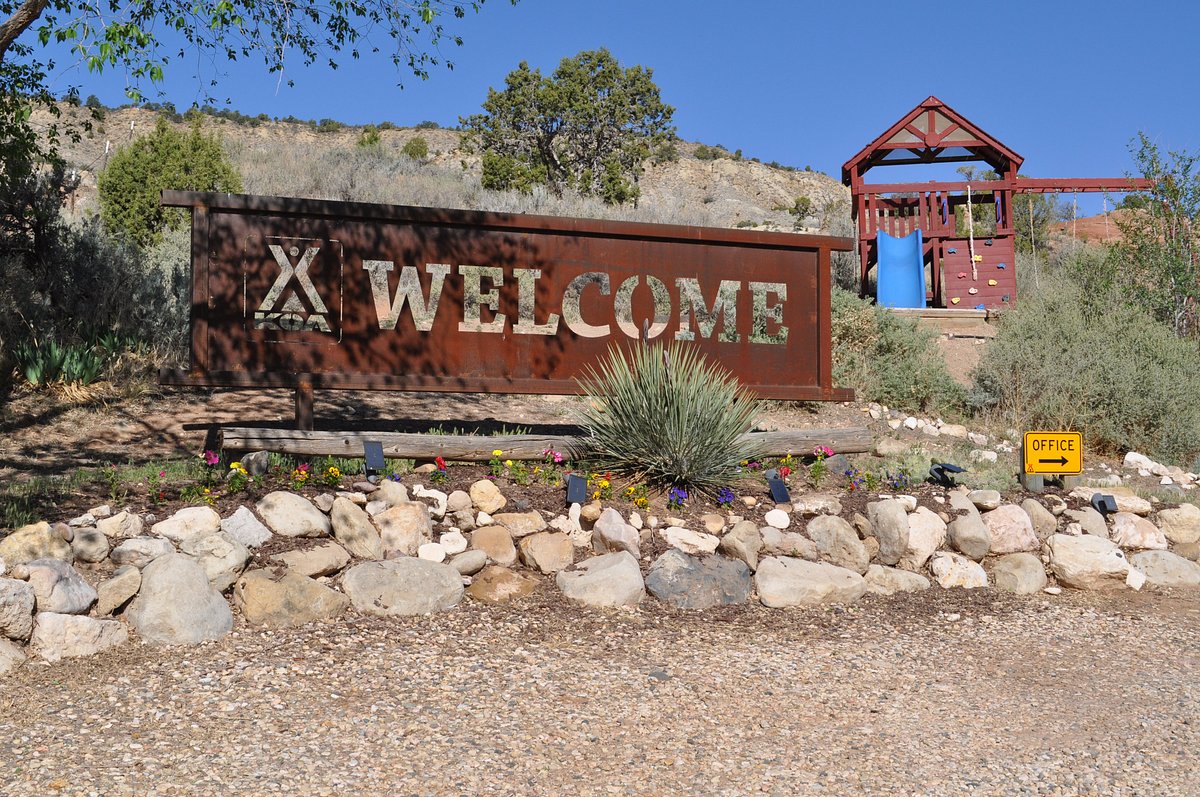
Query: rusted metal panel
{"type": "Point", "coordinates": [346, 295]}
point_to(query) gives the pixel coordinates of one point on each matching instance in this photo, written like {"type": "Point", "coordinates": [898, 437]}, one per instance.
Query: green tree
{"type": "Point", "coordinates": [1158, 259]}
{"type": "Point", "coordinates": [126, 36]}
{"type": "Point", "coordinates": [590, 127]}
{"type": "Point", "coordinates": [132, 183]}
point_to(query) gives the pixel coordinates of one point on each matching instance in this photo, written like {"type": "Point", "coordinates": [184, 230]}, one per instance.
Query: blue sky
{"type": "Point", "coordinates": [1066, 85]}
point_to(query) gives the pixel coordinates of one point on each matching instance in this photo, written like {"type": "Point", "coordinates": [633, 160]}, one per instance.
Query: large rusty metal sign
{"type": "Point", "coordinates": [304, 293]}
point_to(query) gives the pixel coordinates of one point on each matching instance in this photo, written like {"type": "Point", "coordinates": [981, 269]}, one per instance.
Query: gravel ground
{"type": "Point", "coordinates": [943, 693]}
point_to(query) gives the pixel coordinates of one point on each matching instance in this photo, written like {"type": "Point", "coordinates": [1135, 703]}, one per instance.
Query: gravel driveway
{"type": "Point", "coordinates": [940, 693]}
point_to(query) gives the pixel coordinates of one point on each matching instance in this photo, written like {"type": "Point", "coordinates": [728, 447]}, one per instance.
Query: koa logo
{"type": "Point", "coordinates": [290, 313]}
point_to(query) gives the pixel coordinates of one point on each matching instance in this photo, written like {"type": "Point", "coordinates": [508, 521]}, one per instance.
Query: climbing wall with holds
{"type": "Point", "coordinates": [992, 284]}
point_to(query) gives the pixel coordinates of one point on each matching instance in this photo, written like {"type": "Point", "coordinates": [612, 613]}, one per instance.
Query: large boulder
{"type": "Point", "coordinates": [890, 580]}
{"type": "Point", "coordinates": [58, 587]}
{"type": "Point", "coordinates": [286, 601]}
{"type": "Point", "coordinates": [926, 534]}
{"type": "Point", "coordinates": [486, 497]}
{"type": "Point", "coordinates": [1165, 569]}
{"type": "Point", "coordinates": [391, 493]}
{"type": "Point", "coordinates": [244, 527]}
{"type": "Point", "coordinates": [889, 525]}
{"type": "Point", "coordinates": [611, 533]}
{"type": "Point", "coordinates": [547, 551]}
{"type": "Point", "coordinates": [118, 590]}
{"type": "Point", "coordinates": [35, 541]}
{"type": "Point", "coordinates": [1088, 562]}
{"type": "Point", "coordinates": [954, 570]}
{"type": "Point", "coordinates": [354, 530]}
{"type": "Point", "coordinates": [690, 582]}
{"type": "Point", "coordinates": [1133, 531]}
{"type": "Point", "coordinates": [121, 525]}
{"type": "Point", "coordinates": [838, 543]}
{"type": "Point", "coordinates": [221, 556]}
{"type": "Point", "coordinates": [324, 560]}
{"type": "Point", "coordinates": [177, 606]}
{"type": "Point", "coordinates": [404, 528]}
{"type": "Point", "coordinates": [613, 579]}
{"type": "Point", "coordinates": [11, 656]}
{"type": "Point", "coordinates": [967, 532]}
{"type": "Point", "coordinates": [1090, 521]}
{"type": "Point", "coordinates": [497, 543]}
{"type": "Point", "coordinates": [688, 541]}
{"type": "Point", "coordinates": [787, 581]}
{"type": "Point", "coordinates": [499, 585]}
{"type": "Point", "coordinates": [17, 603]}
{"type": "Point", "coordinates": [403, 586]}
{"type": "Point", "coordinates": [1043, 520]}
{"type": "Point", "coordinates": [743, 542]}
{"type": "Point", "coordinates": [192, 521]}
{"type": "Point", "coordinates": [63, 636]}
{"type": "Point", "coordinates": [291, 515]}
{"type": "Point", "coordinates": [520, 524]}
{"type": "Point", "coordinates": [1010, 529]}
{"type": "Point", "coordinates": [811, 504]}
{"type": "Point", "coordinates": [470, 562]}
{"type": "Point", "coordinates": [787, 543]}
{"type": "Point", "coordinates": [89, 545]}
{"type": "Point", "coordinates": [141, 551]}
{"type": "Point", "coordinates": [1022, 573]}
{"type": "Point", "coordinates": [984, 500]}
{"type": "Point", "coordinates": [1180, 525]}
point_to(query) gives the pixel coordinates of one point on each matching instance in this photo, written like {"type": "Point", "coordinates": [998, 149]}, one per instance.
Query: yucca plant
{"type": "Point", "coordinates": [666, 416]}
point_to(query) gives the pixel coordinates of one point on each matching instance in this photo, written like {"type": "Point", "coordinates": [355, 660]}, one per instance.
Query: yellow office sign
{"type": "Point", "coordinates": [1053, 453]}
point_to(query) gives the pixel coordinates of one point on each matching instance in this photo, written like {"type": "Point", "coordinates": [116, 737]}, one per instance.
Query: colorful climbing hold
{"type": "Point", "coordinates": [993, 283]}
{"type": "Point", "coordinates": [973, 291]}
{"type": "Point", "coordinates": [955, 300]}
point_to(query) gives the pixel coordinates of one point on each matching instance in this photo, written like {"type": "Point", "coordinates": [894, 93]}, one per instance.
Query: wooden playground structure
{"type": "Point", "coordinates": [929, 249]}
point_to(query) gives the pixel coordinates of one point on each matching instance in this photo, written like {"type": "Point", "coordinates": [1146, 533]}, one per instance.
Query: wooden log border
{"type": "Point", "coordinates": [478, 448]}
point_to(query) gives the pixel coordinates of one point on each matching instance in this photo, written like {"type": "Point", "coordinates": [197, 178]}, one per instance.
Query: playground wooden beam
{"type": "Point", "coordinates": [1031, 185]}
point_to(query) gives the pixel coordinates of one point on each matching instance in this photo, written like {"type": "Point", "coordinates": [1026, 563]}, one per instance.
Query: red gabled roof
{"type": "Point", "coordinates": [933, 132]}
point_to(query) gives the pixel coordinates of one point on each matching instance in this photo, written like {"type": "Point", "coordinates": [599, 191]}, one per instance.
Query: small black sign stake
{"type": "Point", "coordinates": [373, 457]}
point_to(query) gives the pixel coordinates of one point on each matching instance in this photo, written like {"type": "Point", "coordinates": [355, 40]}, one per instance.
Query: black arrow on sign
{"type": "Point", "coordinates": [1059, 461]}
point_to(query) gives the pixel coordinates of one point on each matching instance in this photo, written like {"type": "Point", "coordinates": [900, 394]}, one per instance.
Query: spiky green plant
{"type": "Point", "coordinates": [666, 416]}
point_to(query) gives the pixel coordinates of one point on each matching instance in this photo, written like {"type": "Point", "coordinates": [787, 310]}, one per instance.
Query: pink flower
{"type": "Point", "coordinates": [210, 457]}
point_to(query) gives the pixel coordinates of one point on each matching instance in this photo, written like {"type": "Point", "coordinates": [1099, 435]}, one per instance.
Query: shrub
{"type": "Point", "coordinates": [1068, 358]}
{"type": "Point", "coordinates": [704, 152]}
{"type": "Point", "coordinates": [427, 125]}
{"type": "Point", "coordinates": [369, 138]}
{"type": "Point", "coordinates": [416, 148]}
{"type": "Point", "coordinates": [132, 183]}
{"type": "Point", "coordinates": [667, 417]}
{"type": "Point", "coordinates": [889, 359]}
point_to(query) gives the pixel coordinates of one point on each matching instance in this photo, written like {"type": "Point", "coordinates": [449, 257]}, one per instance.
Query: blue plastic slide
{"type": "Point", "coordinates": [901, 270]}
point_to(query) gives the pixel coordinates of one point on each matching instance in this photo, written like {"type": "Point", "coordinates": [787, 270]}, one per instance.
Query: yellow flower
{"type": "Point", "coordinates": [497, 453]}
{"type": "Point", "coordinates": [508, 463]}
{"type": "Point", "coordinates": [604, 484]}
{"type": "Point", "coordinates": [596, 496]}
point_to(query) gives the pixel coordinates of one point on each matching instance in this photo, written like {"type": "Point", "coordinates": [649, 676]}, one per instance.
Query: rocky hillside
{"type": "Point", "coordinates": [298, 159]}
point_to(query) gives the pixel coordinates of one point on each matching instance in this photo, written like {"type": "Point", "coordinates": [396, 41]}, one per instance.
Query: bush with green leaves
{"type": "Point", "coordinates": [132, 183]}
{"type": "Point", "coordinates": [668, 417]}
{"type": "Point", "coordinates": [1072, 359]}
{"type": "Point", "coordinates": [889, 359]}
{"type": "Point", "coordinates": [416, 148]}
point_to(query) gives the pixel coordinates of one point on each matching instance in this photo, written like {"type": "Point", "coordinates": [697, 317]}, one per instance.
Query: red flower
{"type": "Point", "coordinates": [785, 471]}
{"type": "Point", "coordinates": [441, 463]}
